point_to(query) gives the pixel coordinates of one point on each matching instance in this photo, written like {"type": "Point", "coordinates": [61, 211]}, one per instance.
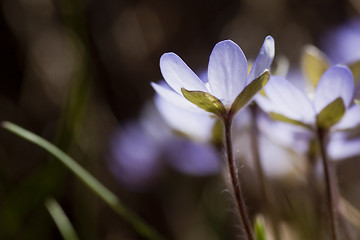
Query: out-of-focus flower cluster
{"type": "Point", "coordinates": [183, 128]}
{"type": "Point", "coordinates": [288, 111]}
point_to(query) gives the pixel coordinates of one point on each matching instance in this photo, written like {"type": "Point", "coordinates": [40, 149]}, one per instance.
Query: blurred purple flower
{"type": "Point", "coordinates": [297, 138]}
{"type": "Point", "coordinates": [193, 158]}
{"type": "Point", "coordinates": [341, 44]}
{"type": "Point", "coordinates": [287, 135]}
{"type": "Point", "coordinates": [281, 154]}
{"type": "Point", "coordinates": [135, 156]}
{"type": "Point", "coordinates": [284, 98]}
{"type": "Point", "coordinates": [227, 73]}
{"type": "Point", "coordinates": [139, 150]}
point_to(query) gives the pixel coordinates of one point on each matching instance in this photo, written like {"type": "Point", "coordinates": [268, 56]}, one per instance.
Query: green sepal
{"type": "Point", "coordinates": [204, 101]}
{"type": "Point", "coordinates": [249, 92]}
{"type": "Point", "coordinates": [357, 102]}
{"type": "Point", "coordinates": [314, 63]}
{"type": "Point", "coordinates": [259, 228]}
{"type": "Point", "coordinates": [355, 69]}
{"type": "Point", "coordinates": [331, 114]}
{"type": "Point", "coordinates": [282, 118]}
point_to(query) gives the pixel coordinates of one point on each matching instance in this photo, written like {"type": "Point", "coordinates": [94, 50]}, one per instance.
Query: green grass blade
{"type": "Point", "coordinates": [61, 220]}
{"type": "Point", "coordinates": [259, 228]}
{"type": "Point", "coordinates": [106, 195]}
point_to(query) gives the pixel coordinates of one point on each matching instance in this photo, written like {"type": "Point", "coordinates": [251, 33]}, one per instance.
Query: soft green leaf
{"type": "Point", "coordinates": [314, 64]}
{"type": "Point", "coordinates": [357, 102]}
{"type": "Point", "coordinates": [61, 220]}
{"type": "Point", "coordinates": [260, 228]}
{"type": "Point", "coordinates": [91, 182]}
{"type": "Point", "coordinates": [331, 114]}
{"type": "Point", "coordinates": [282, 118]}
{"type": "Point", "coordinates": [249, 92]}
{"type": "Point", "coordinates": [355, 69]}
{"type": "Point", "coordinates": [205, 101]}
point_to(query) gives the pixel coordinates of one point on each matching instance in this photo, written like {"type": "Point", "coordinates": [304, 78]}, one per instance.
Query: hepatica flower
{"type": "Point", "coordinates": [333, 95]}
{"type": "Point", "coordinates": [341, 43]}
{"type": "Point", "coordinates": [228, 87]}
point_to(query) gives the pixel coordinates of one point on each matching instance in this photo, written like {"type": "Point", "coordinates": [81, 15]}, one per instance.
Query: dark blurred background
{"type": "Point", "coordinates": [71, 71]}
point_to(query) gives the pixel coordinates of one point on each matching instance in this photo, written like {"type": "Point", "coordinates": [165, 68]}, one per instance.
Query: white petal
{"type": "Point", "coordinates": [227, 71]}
{"type": "Point", "coordinates": [289, 101]}
{"type": "Point", "coordinates": [351, 118]}
{"type": "Point", "coordinates": [264, 103]}
{"type": "Point", "coordinates": [336, 82]}
{"type": "Point", "coordinates": [173, 97]}
{"type": "Point", "coordinates": [196, 124]}
{"type": "Point", "coordinates": [287, 135]}
{"type": "Point", "coordinates": [280, 162]}
{"type": "Point", "coordinates": [263, 60]}
{"type": "Point", "coordinates": [178, 75]}
{"type": "Point", "coordinates": [341, 148]}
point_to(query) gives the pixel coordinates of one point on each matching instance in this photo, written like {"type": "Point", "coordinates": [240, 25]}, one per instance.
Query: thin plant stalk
{"type": "Point", "coordinates": [330, 183]}
{"type": "Point", "coordinates": [60, 219]}
{"type": "Point", "coordinates": [312, 181]}
{"type": "Point", "coordinates": [264, 190]}
{"type": "Point", "coordinates": [240, 203]}
{"type": "Point", "coordinates": [344, 225]}
{"type": "Point", "coordinates": [141, 227]}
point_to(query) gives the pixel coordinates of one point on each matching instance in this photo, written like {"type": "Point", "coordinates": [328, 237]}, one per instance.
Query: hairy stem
{"type": "Point", "coordinates": [235, 180]}
{"type": "Point", "coordinates": [330, 175]}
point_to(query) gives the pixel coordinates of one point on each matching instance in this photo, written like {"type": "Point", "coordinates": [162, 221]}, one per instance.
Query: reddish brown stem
{"type": "Point", "coordinates": [240, 203]}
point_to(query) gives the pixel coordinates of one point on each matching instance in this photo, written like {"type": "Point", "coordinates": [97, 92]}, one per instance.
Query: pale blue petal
{"type": "Point", "coordinates": [170, 95]}
{"type": "Point", "coordinates": [264, 103]}
{"type": "Point", "coordinates": [351, 119]}
{"type": "Point", "coordinates": [278, 161]}
{"type": "Point", "coordinates": [193, 158]}
{"type": "Point", "coordinates": [341, 43]}
{"type": "Point", "coordinates": [336, 82]}
{"type": "Point", "coordinates": [263, 60]}
{"type": "Point", "coordinates": [178, 75]}
{"type": "Point", "coordinates": [227, 71]}
{"type": "Point", "coordinates": [195, 124]}
{"type": "Point", "coordinates": [340, 149]}
{"type": "Point", "coordinates": [287, 135]}
{"type": "Point", "coordinates": [289, 100]}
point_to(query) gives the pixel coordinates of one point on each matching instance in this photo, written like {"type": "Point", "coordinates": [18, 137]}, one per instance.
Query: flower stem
{"type": "Point", "coordinates": [316, 198]}
{"type": "Point", "coordinates": [330, 176]}
{"type": "Point", "coordinates": [235, 180]}
{"type": "Point", "coordinates": [264, 188]}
